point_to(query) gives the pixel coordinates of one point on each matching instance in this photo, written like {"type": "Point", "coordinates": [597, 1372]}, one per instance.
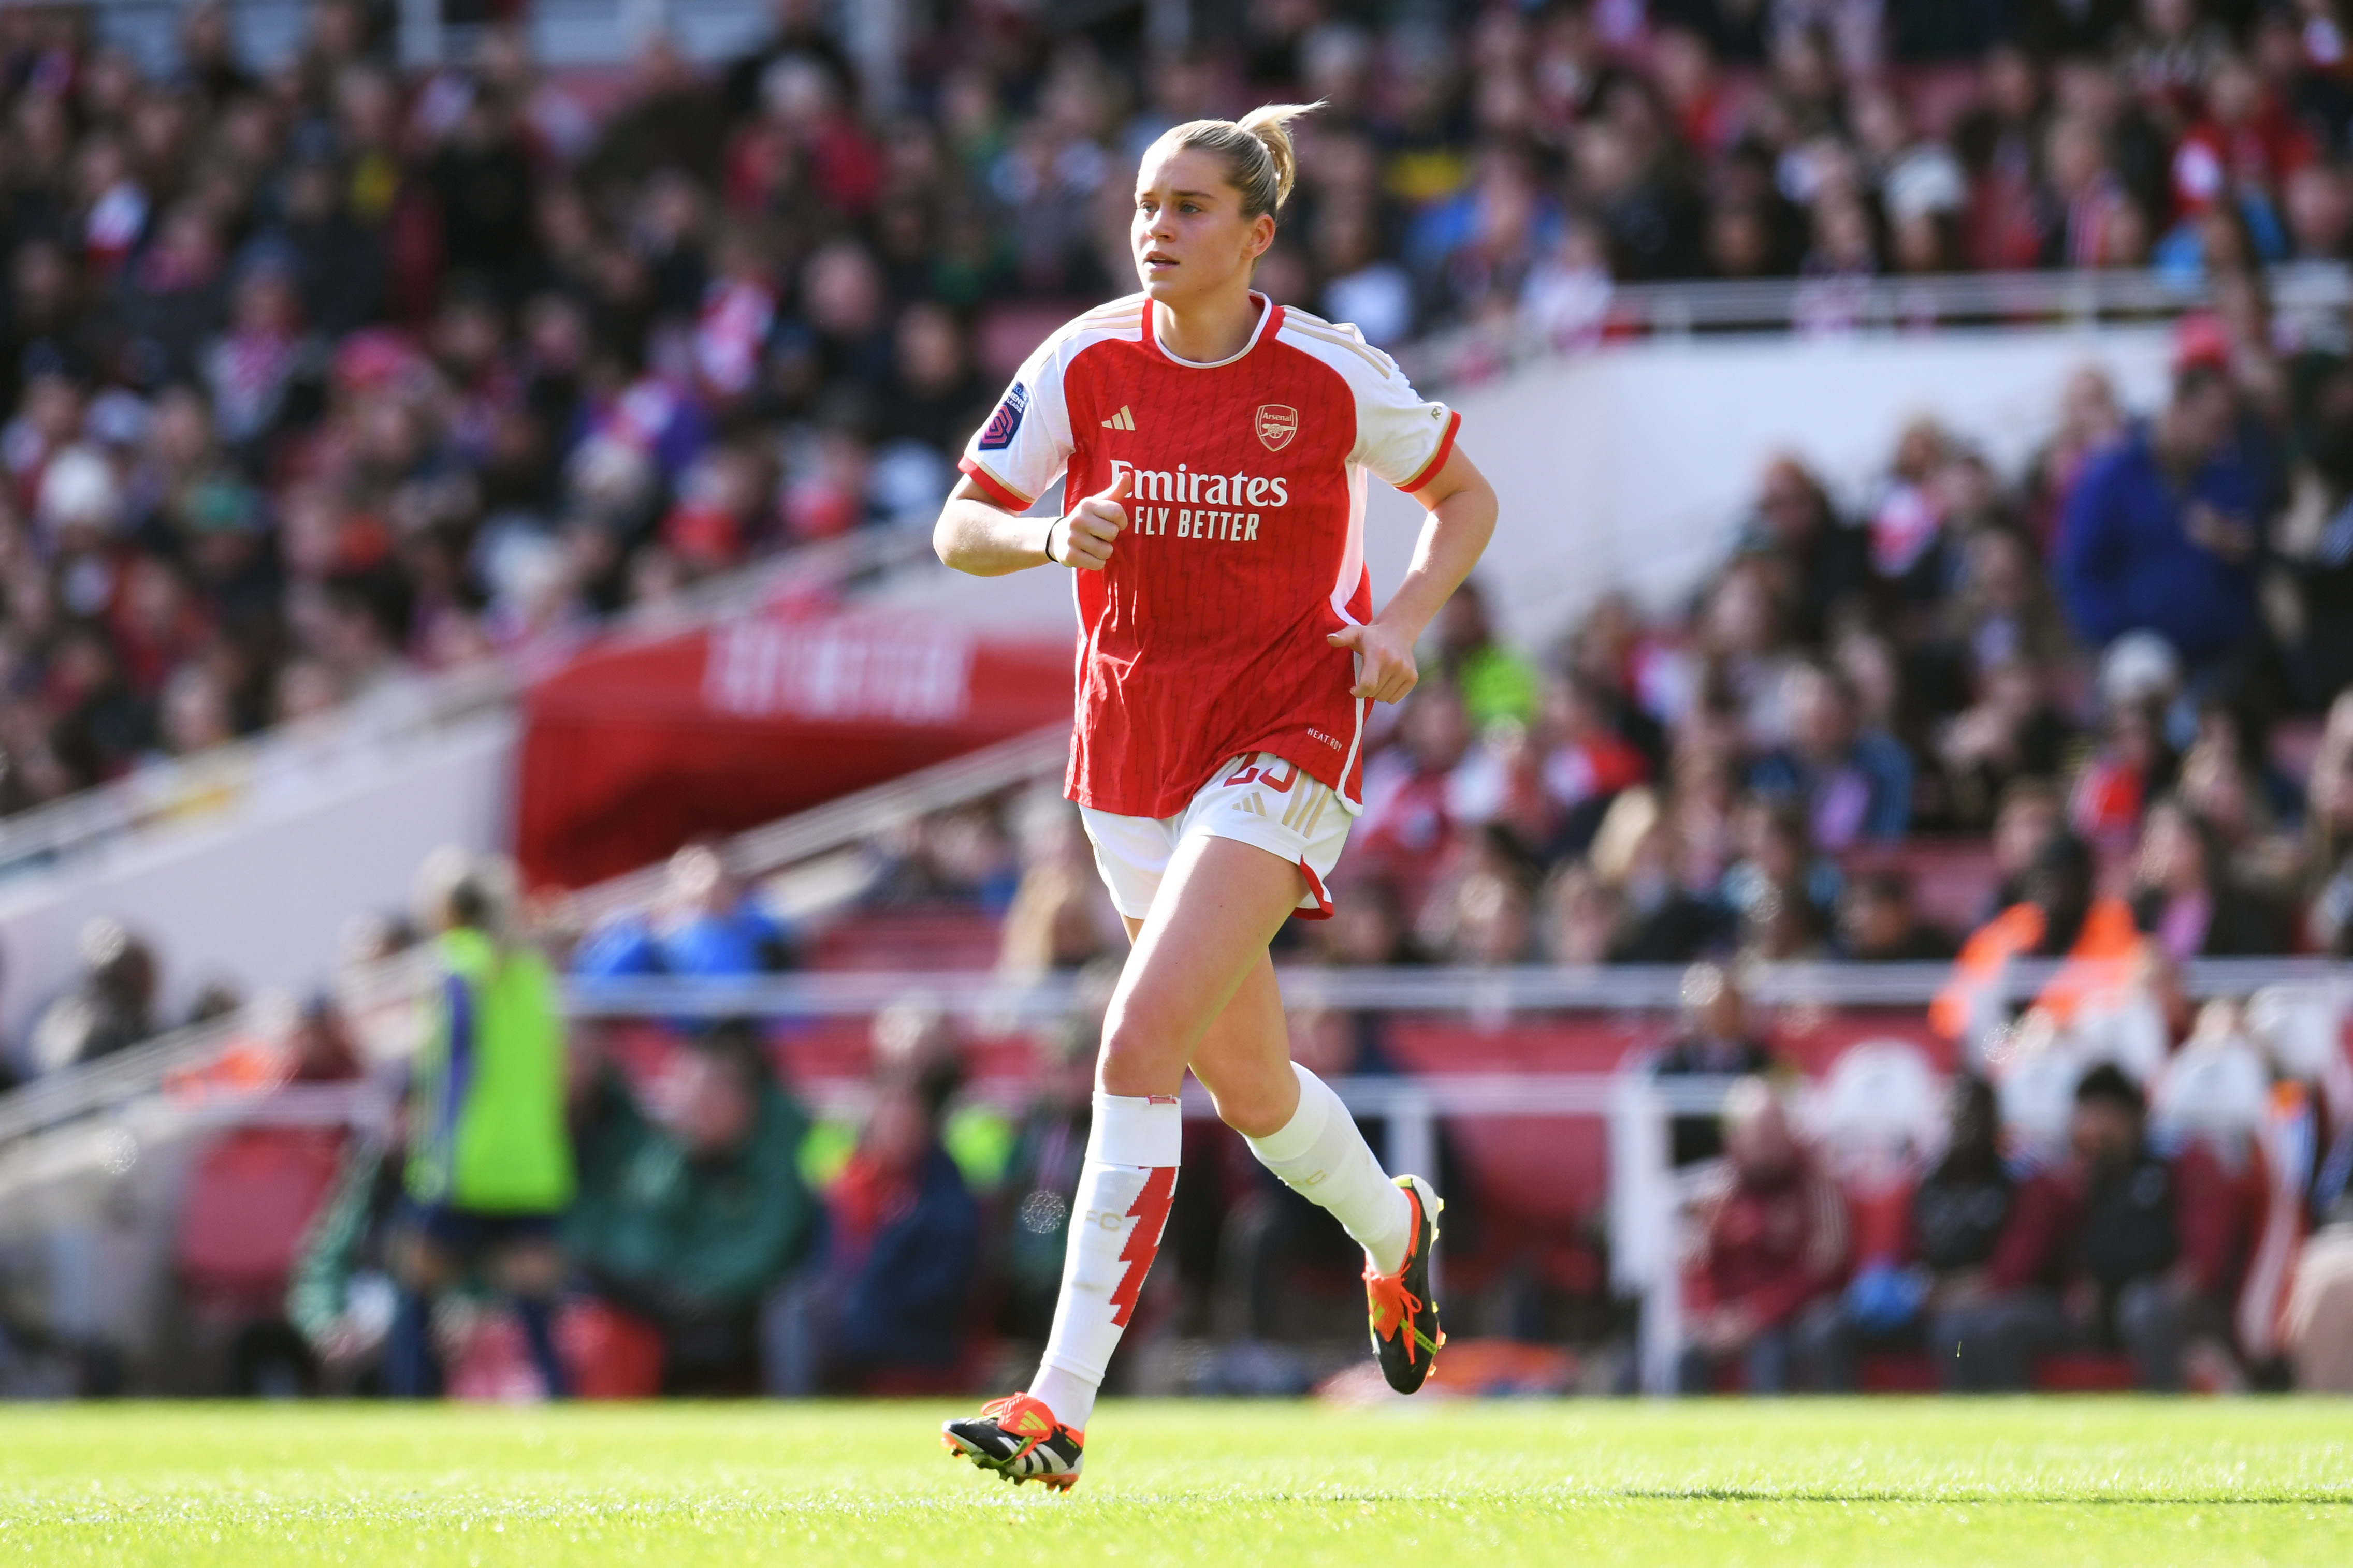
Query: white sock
{"type": "Point", "coordinates": [1321, 1156]}
{"type": "Point", "coordinates": [1124, 1189]}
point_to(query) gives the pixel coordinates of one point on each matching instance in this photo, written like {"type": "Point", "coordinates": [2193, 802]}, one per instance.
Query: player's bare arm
{"type": "Point", "coordinates": [977, 535]}
{"type": "Point", "coordinates": [1462, 507]}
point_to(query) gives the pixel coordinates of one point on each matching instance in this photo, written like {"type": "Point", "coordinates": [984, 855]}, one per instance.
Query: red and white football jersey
{"type": "Point", "coordinates": [1204, 638]}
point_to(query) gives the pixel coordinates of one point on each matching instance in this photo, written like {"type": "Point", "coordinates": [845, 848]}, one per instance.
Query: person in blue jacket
{"type": "Point", "coordinates": [2164, 531]}
{"type": "Point", "coordinates": [705, 924]}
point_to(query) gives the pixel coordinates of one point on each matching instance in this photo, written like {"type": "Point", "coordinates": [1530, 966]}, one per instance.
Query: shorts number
{"type": "Point", "coordinates": [1250, 774]}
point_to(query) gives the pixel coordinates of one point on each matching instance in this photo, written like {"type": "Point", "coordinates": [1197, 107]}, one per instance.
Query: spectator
{"type": "Point", "coordinates": [1954, 1223]}
{"type": "Point", "coordinates": [1496, 683]}
{"type": "Point", "coordinates": [1060, 918]}
{"type": "Point", "coordinates": [1580, 917]}
{"type": "Point", "coordinates": [489, 1167]}
{"type": "Point", "coordinates": [2319, 1328]}
{"type": "Point", "coordinates": [2163, 531]}
{"type": "Point", "coordinates": [1906, 519]}
{"type": "Point", "coordinates": [704, 922]}
{"type": "Point", "coordinates": [691, 1209]}
{"type": "Point", "coordinates": [1716, 1041]}
{"type": "Point", "coordinates": [2030, 813]}
{"type": "Point", "coordinates": [1852, 786]}
{"type": "Point", "coordinates": [2090, 419]}
{"type": "Point", "coordinates": [2328, 834]}
{"type": "Point", "coordinates": [1782, 895]}
{"type": "Point", "coordinates": [1771, 1237]}
{"type": "Point", "coordinates": [1041, 1175]}
{"type": "Point", "coordinates": [2061, 916]}
{"type": "Point", "coordinates": [2001, 608]}
{"type": "Point", "coordinates": [1745, 649]}
{"type": "Point", "coordinates": [1586, 762]}
{"type": "Point", "coordinates": [1410, 797]}
{"type": "Point", "coordinates": [340, 1295]}
{"type": "Point", "coordinates": [1878, 924]}
{"type": "Point", "coordinates": [1824, 562]}
{"type": "Point", "coordinates": [2134, 762]}
{"type": "Point", "coordinates": [108, 1008]}
{"type": "Point", "coordinates": [1660, 920]}
{"type": "Point", "coordinates": [2011, 733]}
{"type": "Point", "coordinates": [2124, 1249]}
{"type": "Point", "coordinates": [903, 1239]}
{"type": "Point", "coordinates": [2184, 897]}
{"type": "Point", "coordinates": [2313, 538]}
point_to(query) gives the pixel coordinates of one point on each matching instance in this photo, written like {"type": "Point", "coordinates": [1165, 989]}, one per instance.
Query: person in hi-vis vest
{"type": "Point", "coordinates": [489, 1165]}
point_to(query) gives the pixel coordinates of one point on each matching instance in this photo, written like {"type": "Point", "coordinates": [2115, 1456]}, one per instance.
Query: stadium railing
{"type": "Point", "coordinates": [70, 1138]}
{"type": "Point", "coordinates": [2308, 298]}
{"type": "Point", "coordinates": [208, 786]}
{"type": "Point", "coordinates": [378, 998]}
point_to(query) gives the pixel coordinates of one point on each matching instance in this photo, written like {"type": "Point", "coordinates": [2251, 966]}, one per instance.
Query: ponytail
{"type": "Point", "coordinates": [1259, 159]}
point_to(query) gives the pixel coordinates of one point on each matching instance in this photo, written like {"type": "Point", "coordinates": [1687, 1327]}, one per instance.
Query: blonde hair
{"type": "Point", "coordinates": [1260, 161]}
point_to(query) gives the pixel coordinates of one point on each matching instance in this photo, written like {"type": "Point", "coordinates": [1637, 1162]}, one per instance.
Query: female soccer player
{"type": "Point", "coordinates": [1227, 650]}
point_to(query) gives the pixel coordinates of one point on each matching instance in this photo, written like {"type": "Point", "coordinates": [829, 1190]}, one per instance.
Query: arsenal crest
{"type": "Point", "coordinates": [1277, 424]}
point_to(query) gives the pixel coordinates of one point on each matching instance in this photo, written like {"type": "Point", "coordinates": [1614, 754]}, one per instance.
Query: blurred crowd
{"type": "Point", "coordinates": [314, 373]}
{"type": "Point", "coordinates": [664, 1211]}
{"type": "Point", "coordinates": [320, 374]}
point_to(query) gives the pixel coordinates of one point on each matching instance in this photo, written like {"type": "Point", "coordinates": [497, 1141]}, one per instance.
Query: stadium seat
{"type": "Point", "coordinates": [949, 937]}
{"type": "Point", "coordinates": [2131, 1032]}
{"type": "Point", "coordinates": [248, 1201]}
{"type": "Point", "coordinates": [1880, 1111]}
{"type": "Point", "coordinates": [607, 1353]}
{"type": "Point", "coordinates": [2301, 1027]}
{"type": "Point", "coordinates": [2084, 1372]}
{"type": "Point", "coordinates": [1552, 1170]}
{"type": "Point", "coordinates": [1898, 1371]}
{"type": "Point", "coordinates": [1812, 1039]}
{"type": "Point", "coordinates": [2037, 1095]}
{"type": "Point", "coordinates": [1953, 879]}
{"type": "Point", "coordinates": [2214, 1089]}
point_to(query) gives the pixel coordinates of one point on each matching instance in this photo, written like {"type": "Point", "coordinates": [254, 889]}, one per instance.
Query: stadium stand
{"type": "Point", "coordinates": [399, 354]}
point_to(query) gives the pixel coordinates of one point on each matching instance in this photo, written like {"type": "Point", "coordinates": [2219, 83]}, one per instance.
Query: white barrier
{"type": "Point", "coordinates": [257, 892]}
{"type": "Point", "coordinates": [1629, 467]}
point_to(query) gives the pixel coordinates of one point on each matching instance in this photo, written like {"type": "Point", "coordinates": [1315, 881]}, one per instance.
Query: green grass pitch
{"type": "Point", "coordinates": [1989, 1484]}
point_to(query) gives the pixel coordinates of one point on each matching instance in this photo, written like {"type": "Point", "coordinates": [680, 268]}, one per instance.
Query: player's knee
{"type": "Point", "coordinates": [1258, 1105]}
{"type": "Point", "coordinates": [1135, 1063]}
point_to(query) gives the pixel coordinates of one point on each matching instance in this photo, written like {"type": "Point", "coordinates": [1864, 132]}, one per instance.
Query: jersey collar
{"type": "Point", "coordinates": [1268, 314]}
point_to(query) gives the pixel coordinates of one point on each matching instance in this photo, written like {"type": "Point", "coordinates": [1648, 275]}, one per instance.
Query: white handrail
{"type": "Point", "coordinates": [2312, 295]}
{"type": "Point", "coordinates": [854, 818]}
{"type": "Point", "coordinates": [1485, 994]}
{"type": "Point", "coordinates": [385, 987]}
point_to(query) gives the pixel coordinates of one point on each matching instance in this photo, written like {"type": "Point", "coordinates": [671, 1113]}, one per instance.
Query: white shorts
{"type": "Point", "coordinates": [1261, 800]}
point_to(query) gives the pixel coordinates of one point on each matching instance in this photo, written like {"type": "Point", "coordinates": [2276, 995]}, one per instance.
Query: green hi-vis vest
{"type": "Point", "coordinates": [486, 1115]}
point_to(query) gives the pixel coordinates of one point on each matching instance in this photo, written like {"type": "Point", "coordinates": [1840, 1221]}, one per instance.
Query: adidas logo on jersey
{"type": "Point", "coordinates": [1123, 420]}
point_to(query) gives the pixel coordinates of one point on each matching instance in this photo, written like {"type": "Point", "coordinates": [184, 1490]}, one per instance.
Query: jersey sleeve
{"type": "Point", "coordinates": [1023, 447]}
{"type": "Point", "coordinates": [1400, 438]}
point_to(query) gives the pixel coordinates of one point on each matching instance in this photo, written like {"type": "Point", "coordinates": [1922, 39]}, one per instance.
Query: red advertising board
{"type": "Point", "coordinates": [631, 750]}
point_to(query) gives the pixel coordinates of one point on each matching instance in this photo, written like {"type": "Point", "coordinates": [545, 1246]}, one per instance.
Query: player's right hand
{"type": "Point", "coordinates": [1082, 538]}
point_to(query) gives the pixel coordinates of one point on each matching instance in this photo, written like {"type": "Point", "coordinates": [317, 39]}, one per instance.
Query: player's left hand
{"type": "Point", "coordinates": [1385, 667]}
